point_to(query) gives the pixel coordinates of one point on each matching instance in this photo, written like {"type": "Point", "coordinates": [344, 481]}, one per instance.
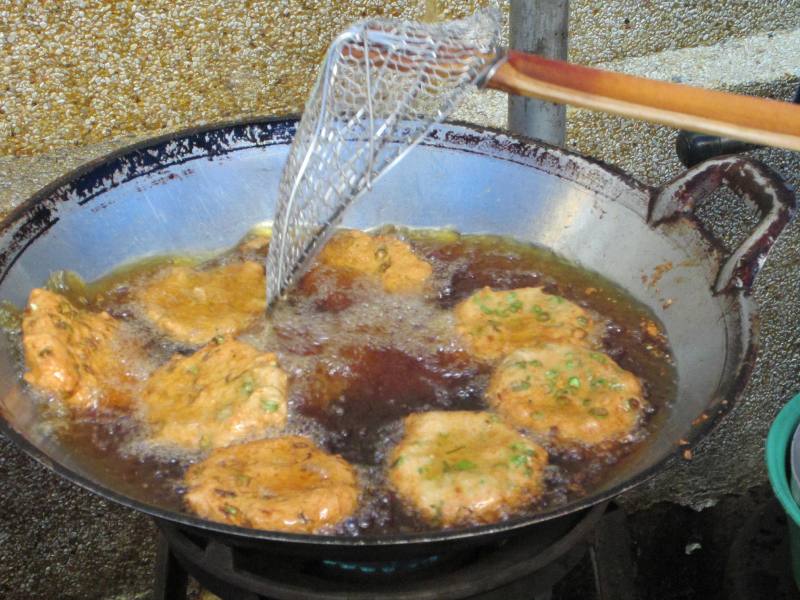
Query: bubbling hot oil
{"type": "Point", "coordinates": [360, 360]}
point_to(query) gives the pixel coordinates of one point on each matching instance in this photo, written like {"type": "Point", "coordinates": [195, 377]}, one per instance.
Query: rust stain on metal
{"type": "Point", "coordinates": [658, 272]}
{"type": "Point", "coordinates": [746, 178]}
{"type": "Point", "coordinates": [652, 330]}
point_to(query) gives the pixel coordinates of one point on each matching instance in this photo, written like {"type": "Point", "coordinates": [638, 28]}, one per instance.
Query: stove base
{"type": "Point", "coordinates": [500, 571]}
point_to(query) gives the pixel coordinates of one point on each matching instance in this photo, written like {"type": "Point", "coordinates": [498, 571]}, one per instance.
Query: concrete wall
{"type": "Point", "coordinates": [79, 78]}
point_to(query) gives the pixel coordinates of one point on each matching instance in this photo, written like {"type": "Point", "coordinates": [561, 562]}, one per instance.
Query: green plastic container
{"type": "Point", "coordinates": [780, 440]}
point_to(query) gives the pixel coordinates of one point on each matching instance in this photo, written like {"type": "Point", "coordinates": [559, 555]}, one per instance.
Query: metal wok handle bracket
{"type": "Point", "coordinates": [751, 181]}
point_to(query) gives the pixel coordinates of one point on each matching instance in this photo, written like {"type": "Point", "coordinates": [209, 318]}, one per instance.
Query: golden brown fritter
{"type": "Point", "coordinates": [569, 393]}
{"type": "Point", "coordinates": [465, 467]}
{"type": "Point", "coordinates": [76, 355]}
{"type": "Point", "coordinates": [193, 307]}
{"type": "Point", "coordinates": [255, 242]}
{"type": "Point", "coordinates": [222, 394]}
{"type": "Point", "coordinates": [253, 247]}
{"type": "Point", "coordinates": [282, 484]}
{"type": "Point", "coordinates": [492, 324]}
{"type": "Point", "coordinates": [383, 257]}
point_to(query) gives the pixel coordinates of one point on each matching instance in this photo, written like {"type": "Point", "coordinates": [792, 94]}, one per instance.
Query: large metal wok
{"type": "Point", "coordinates": [201, 190]}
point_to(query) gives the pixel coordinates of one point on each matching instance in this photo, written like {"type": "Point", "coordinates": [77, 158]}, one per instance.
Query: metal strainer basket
{"type": "Point", "coordinates": [382, 85]}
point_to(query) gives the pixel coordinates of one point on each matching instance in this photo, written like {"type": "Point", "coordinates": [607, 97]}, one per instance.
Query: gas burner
{"type": "Point", "coordinates": [519, 566]}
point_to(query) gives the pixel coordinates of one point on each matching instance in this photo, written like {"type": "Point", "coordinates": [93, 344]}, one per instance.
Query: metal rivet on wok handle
{"type": "Point", "coordinates": [751, 181]}
{"type": "Point", "coordinates": [747, 118]}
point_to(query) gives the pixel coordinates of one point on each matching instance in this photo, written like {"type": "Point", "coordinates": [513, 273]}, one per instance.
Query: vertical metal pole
{"type": "Point", "coordinates": [171, 579]}
{"type": "Point", "coordinates": [541, 27]}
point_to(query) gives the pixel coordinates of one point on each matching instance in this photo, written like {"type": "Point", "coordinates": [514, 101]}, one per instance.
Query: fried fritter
{"type": "Point", "coordinates": [282, 484]}
{"type": "Point", "coordinates": [253, 247]}
{"type": "Point", "coordinates": [193, 307]}
{"type": "Point", "coordinates": [222, 394]}
{"type": "Point", "coordinates": [571, 394]}
{"type": "Point", "coordinates": [74, 354]}
{"type": "Point", "coordinates": [386, 258]}
{"type": "Point", "coordinates": [465, 467]}
{"type": "Point", "coordinates": [494, 323]}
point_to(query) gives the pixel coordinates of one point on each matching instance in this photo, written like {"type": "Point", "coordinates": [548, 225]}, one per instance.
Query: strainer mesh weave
{"type": "Point", "coordinates": [381, 87]}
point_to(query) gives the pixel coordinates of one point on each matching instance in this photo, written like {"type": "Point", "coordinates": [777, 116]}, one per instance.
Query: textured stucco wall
{"type": "Point", "coordinates": [80, 71]}
{"type": "Point", "coordinates": [79, 78]}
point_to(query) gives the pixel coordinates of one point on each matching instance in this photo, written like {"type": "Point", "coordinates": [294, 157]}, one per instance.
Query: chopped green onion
{"type": "Point", "coordinates": [520, 386]}
{"type": "Point", "coordinates": [270, 405]}
{"type": "Point", "coordinates": [523, 449]}
{"type": "Point", "coordinates": [596, 383]}
{"type": "Point", "coordinates": [519, 460]}
{"type": "Point", "coordinates": [598, 357]}
{"type": "Point", "coordinates": [242, 479]}
{"type": "Point", "coordinates": [464, 465]}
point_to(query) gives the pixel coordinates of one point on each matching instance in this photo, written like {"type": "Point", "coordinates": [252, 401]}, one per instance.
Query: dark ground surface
{"type": "Point", "coordinates": [59, 542]}
{"type": "Point", "coordinates": [735, 550]}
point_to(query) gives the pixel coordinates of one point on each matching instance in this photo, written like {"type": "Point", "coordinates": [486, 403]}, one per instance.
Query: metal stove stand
{"type": "Point", "coordinates": [500, 572]}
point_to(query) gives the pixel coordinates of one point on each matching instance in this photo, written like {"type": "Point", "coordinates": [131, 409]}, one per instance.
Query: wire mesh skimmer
{"type": "Point", "coordinates": [382, 85]}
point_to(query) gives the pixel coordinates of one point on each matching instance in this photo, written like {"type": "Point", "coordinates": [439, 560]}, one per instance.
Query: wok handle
{"type": "Point", "coordinates": [751, 181]}
{"type": "Point", "coordinates": [748, 118]}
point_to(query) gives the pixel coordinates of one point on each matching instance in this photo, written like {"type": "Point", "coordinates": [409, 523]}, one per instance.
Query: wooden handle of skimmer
{"type": "Point", "coordinates": [748, 118]}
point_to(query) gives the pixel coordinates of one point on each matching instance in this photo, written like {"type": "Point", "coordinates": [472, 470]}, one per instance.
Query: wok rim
{"type": "Point", "coordinates": [717, 408]}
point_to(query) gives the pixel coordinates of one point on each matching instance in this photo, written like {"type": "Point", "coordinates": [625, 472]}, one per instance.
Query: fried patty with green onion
{"type": "Point", "coordinates": [568, 393]}
{"type": "Point", "coordinates": [495, 323]}
{"type": "Point", "coordinates": [281, 484]}
{"type": "Point", "coordinates": [461, 467]}
{"type": "Point", "coordinates": [226, 392]}
{"type": "Point", "coordinates": [193, 306]}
